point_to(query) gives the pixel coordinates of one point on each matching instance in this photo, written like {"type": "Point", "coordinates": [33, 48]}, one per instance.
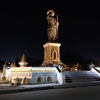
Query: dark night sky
{"type": "Point", "coordinates": [23, 29]}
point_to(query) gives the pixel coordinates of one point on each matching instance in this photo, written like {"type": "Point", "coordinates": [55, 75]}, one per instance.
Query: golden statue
{"type": "Point", "coordinates": [52, 29]}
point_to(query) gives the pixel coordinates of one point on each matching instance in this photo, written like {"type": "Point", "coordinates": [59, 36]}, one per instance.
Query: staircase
{"type": "Point", "coordinates": [95, 76]}
{"type": "Point", "coordinates": [68, 79]}
{"type": "Point", "coordinates": [81, 76]}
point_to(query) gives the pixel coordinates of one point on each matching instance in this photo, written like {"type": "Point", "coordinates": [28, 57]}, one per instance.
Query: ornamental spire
{"type": "Point", "coordinates": [23, 59]}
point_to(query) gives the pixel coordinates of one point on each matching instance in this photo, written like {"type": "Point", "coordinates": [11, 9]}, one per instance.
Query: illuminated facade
{"type": "Point", "coordinates": [50, 74]}
{"type": "Point", "coordinates": [33, 75]}
{"type": "Point", "coordinates": [52, 70]}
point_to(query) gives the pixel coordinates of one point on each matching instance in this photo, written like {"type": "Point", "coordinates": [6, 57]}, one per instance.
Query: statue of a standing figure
{"type": "Point", "coordinates": [52, 30]}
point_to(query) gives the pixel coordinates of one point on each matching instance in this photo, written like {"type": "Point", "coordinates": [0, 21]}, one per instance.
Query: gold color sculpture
{"type": "Point", "coordinates": [52, 30]}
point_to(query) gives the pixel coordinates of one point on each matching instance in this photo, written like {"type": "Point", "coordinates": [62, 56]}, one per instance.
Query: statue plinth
{"type": "Point", "coordinates": [51, 54]}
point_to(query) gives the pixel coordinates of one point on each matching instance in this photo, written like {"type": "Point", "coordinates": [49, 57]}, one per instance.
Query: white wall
{"type": "Point", "coordinates": [59, 77]}
{"type": "Point", "coordinates": [43, 77]}
{"type": "Point", "coordinates": [33, 73]}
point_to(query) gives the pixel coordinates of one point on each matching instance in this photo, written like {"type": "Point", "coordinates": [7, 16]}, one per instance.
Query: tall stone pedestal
{"type": "Point", "coordinates": [51, 54]}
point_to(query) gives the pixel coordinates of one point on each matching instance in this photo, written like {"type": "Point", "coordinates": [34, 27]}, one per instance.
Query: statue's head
{"type": "Point", "coordinates": [50, 13]}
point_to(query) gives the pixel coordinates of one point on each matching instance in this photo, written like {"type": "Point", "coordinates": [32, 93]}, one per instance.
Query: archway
{"type": "Point", "coordinates": [49, 79]}
{"type": "Point", "coordinates": [39, 80]}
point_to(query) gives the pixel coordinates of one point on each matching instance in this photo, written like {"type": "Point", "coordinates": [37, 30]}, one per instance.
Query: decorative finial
{"type": "Point", "coordinates": [23, 59]}
{"type": "Point", "coordinates": [5, 64]}
{"type": "Point", "coordinates": [14, 64]}
{"type": "Point", "coordinates": [23, 62]}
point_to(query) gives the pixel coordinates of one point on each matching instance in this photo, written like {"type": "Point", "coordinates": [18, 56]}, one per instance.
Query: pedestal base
{"type": "Point", "coordinates": [51, 63]}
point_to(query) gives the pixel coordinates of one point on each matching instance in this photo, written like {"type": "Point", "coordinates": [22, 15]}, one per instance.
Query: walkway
{"type": "Point", "coordinates": [6, 88]}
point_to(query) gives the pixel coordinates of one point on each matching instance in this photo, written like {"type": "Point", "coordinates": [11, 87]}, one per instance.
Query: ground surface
{"type": "Point", "coordinates": [78, 93]}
